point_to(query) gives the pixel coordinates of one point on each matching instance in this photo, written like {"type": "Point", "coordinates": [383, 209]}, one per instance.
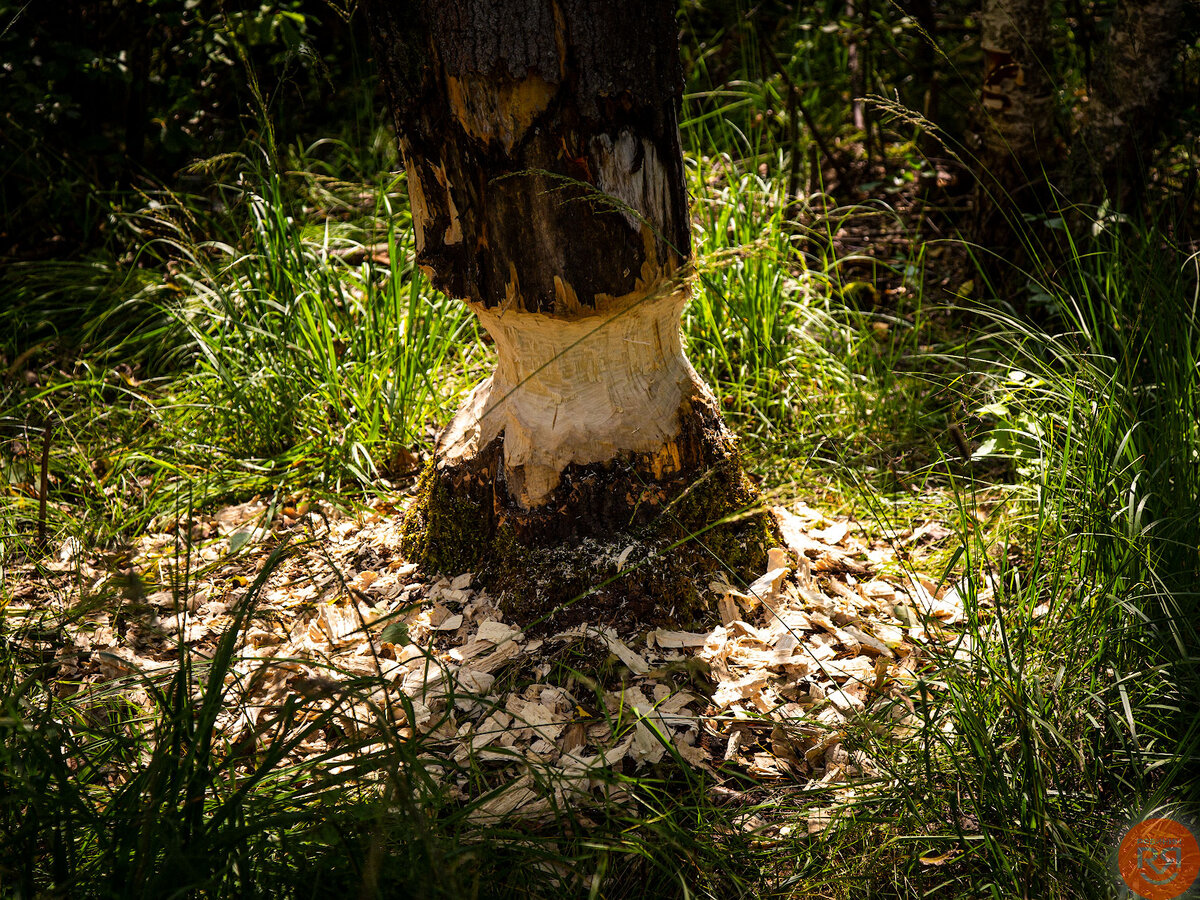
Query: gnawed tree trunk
{"type": "Point", "coordinates": [544, 170]}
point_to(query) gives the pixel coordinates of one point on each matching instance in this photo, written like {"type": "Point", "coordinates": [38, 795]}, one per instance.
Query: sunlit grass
{"type": "Point", "coordinates": [285, 343]}
{"type": "Point", "coordinates": [282, 357]}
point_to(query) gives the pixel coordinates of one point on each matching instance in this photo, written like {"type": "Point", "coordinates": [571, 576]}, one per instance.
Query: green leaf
{"type": "Point", "coordinates": [396, 633]}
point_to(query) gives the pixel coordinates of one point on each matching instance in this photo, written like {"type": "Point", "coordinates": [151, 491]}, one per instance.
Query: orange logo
{"type": "Point", "coordinates": [1159, 859]}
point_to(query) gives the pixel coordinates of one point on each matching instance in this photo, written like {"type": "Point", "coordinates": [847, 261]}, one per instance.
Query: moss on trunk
{"type": "Point", "coordinates": [613, 545]}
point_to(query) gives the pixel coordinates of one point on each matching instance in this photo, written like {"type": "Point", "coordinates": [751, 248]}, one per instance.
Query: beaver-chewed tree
{"type": "Point", "coordinates": [544, 171]}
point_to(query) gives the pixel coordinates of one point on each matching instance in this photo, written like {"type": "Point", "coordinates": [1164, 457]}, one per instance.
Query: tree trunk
{"type": "Point", "coordinates": [1129, 93]}
{"type": "Point", "coordinates": [1017, 118]}
{"type": "Point", "coordinates": [546, 182]}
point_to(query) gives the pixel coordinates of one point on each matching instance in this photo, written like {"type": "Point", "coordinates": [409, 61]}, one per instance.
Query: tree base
{"type": "Point", "coordinates": [617, 543]}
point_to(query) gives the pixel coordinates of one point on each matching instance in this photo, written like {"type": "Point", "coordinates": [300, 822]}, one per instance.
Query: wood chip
{"type": "Point", "coordinates": [730, 692]}
{"type": "Point", "coordinates": [834, 534]}
{"type": "Point", "coordinates": [870, 644]}
{"type": "Point", "coordinates": [766, 587]}
{"type": "Point", "coordinates": [845, 703]}
{"type": "Point", "coordinates": [858, 668]}
{"type": "Point", "coordinates": [878, 590]}
{"type": "Point", "coordinates": [678, 638]}
{"type": "Point", "coordinates": [497, 657]}
{"type": "Point", "coordinates": [497, 632]}
{"type": "Point", "coordinates": [633, 661]}
{"type": "Point", "coordinates": [450, 623]}
{"type": "Point", "coordinates": [728, 609]}
{"type": "Point", "coordinates": [513, 800]}
{"type": "Point", "coordinates": [676, 702]}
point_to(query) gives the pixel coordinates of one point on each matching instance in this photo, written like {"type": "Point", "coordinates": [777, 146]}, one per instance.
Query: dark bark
{"type": "Point", "coordinates": [1106, 156]}
{"type": "Point", "coordinates": [514, 117]}
{"type": "Point", "coordinates": [925, 69]}
{"type": "Point", "coordinates": [1016, 117]}
{"type": "Point", "coordinates": [560, 564]}
{"type": "Point", "coordinates": [1130, 91]}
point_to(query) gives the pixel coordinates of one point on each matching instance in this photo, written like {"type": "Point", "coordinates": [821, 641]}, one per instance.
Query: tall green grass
{"type": "Point", "coordinates": [310, 361]}
{"type": "Point", "coordinates": [1068, 708]}
{"type": "Point", "coordinates": [278, 353]}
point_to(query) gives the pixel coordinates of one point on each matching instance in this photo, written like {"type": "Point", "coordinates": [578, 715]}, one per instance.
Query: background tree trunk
{"type": "Point", "coordinates": [1017, 118]}
{"type": "Point", "coordinates": [546, 181]}
{"type": "Point", "coordinates": [1129, 94]}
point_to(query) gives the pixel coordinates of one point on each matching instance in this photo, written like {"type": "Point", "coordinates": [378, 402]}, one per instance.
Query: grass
{"type": "Point", "coordinates": [274, 359]}
{"type": "Point", "coordinates": [272, 337]}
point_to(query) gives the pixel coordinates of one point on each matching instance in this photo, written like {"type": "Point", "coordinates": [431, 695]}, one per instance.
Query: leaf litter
{"type": "Point", "coordinates": [815, 647]}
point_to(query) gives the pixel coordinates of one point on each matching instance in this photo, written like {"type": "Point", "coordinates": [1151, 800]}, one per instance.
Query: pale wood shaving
{"type": "Point", "coordinates": [795, 662]}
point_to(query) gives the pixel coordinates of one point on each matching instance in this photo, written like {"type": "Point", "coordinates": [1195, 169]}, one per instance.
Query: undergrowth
{"type": "Point", "coordinates": [270, 335]}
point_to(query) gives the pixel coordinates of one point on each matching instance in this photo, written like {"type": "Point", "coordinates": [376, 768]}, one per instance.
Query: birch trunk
{"type": "Point", "coordinates": [546, 182]}
{"type": "Point", "coordinates": [1017, 115]}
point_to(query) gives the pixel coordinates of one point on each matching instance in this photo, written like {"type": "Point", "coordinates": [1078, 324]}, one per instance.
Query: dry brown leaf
{"type": "Point", "coordinates": [646, 748]}
{"type": "Point", "coordinates": [573, 738]}
{"type": "Point", "coordinates": [818, 820]}
{"type": "Point", "coordinates": [685, 745]}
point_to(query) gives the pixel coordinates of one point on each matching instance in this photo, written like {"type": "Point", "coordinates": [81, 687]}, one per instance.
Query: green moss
{"type": "Point", "coordinates": [444, 530]}
{"type": "Point", "coordinates": [723, 493]}
{"type": "Point", "coordinates": [453, 527]}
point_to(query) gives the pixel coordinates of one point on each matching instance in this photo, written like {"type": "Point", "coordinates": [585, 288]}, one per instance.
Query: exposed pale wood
{"type": "Point", "coordinates": [577, 392]}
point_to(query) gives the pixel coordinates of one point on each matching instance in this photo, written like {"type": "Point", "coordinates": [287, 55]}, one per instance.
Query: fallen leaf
{"type": "Point", "coordinates": [939, 860]}
{"type": "Point", "coordinates": [624, 556]}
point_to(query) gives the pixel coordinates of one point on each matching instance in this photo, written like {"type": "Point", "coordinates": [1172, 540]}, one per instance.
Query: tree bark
{"type": "Point", "coordinates": [1017, 117]}
{"type": "Point", "coordinates": [1129, 92]}
{"type": "Point", "coordinates": [546, 181]}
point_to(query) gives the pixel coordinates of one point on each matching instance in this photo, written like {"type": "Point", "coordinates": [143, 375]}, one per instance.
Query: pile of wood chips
{"type": "Point", "coordinates": [813, 651]}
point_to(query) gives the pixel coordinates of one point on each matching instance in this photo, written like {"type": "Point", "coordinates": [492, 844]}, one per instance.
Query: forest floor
{"type": "Point", "coordinates": [834, 632]}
